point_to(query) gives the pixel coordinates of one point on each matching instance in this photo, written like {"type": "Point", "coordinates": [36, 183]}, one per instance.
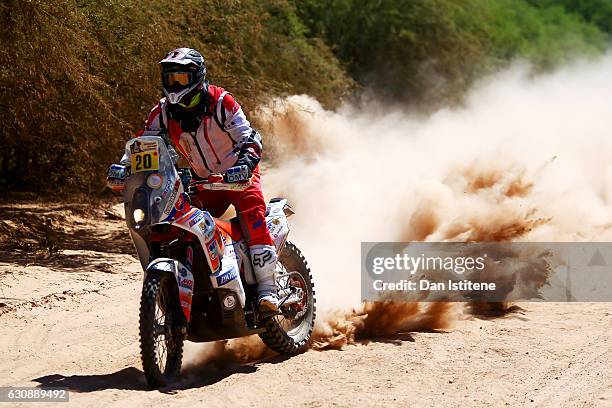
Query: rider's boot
{"type": "Point", "coordinates": [264, 260]}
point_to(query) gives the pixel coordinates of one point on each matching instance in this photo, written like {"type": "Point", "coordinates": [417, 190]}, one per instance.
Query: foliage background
{"type": "Point", "coordinates": [77, 77]}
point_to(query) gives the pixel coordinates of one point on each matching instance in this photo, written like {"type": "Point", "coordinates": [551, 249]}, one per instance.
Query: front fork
{"type": "Point", "coordinates": [184, 281]}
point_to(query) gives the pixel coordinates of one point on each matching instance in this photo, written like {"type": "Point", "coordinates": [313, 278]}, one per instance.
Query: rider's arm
{"type": "Point", "coordinates": [155, 123]}
{"type": "Point", "coordinates": [247, 139]}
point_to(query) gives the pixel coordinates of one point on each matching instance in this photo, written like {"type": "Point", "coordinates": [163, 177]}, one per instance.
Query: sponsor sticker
{"type": "Point", "coordinates": [187, 283]}
{"type": "Point", "coordinates": [180, 203]}
{"type": "Point", "coordinates": [194, 219]}
{"type": "Point", "coordinates": [155, 181]}
{"type": "Point", "coordinates": [167, 187]}
{"type": "Point", "coordinates": [263, 258]}
{"type": "Point", "coordinates": [229, 302]}
{"type": "Point", "coordinates": [172, 197]}
{"type": "Point", "coordinates": [275, 227]}
{"type": "Point", "coordinates": [227, 277]}
{"type": "Point", "coordinates": [144, 155]}
{"type": "Point", "coordinates": [212, 250]}
{"type": "Point", "coordinates": [237, 173]}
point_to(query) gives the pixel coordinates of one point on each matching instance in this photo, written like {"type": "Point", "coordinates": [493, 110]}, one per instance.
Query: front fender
{"type": "Point", "coordinates": [183, 277]}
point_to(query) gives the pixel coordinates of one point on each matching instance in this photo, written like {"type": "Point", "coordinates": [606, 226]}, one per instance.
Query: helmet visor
{"type": "Point", "coordinates": [172, 79]}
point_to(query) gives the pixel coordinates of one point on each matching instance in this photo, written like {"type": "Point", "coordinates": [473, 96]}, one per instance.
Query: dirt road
{"type": "Point", "coordinates": [70, 320]}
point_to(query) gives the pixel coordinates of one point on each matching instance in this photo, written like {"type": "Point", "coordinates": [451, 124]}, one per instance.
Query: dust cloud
{"type": "Point", "coordinates": [524, 159]}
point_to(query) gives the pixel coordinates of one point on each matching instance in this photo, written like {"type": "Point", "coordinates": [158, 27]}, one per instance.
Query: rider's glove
{"type": "Point", "coordinates": [244, 167]}
{"type": "Point", "coordinates": [248, 158]}
{"type": "Point", "coordinates": [115, 179]}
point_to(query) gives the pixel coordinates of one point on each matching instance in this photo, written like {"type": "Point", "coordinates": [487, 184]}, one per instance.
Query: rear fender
{"type": "Point", "coordinates": [277, 223]}
{"type": "Point", "coordinates": [183, 277]}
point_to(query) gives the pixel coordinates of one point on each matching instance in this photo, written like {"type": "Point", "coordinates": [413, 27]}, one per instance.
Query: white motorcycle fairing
{"type": "Point", "coordinates": [221, 257]}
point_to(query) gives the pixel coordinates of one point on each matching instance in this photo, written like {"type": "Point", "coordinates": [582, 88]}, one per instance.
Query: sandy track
{"type": "Point", "coordinates": [550, 355]}
{"type": "Point", "coordinates": [71, 320]}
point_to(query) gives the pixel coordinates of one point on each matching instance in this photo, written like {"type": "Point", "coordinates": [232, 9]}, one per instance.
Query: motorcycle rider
{"type": "Point", "coordinates": [208, 127]}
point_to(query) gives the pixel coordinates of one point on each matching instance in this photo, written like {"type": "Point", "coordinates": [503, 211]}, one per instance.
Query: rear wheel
{"type": "Point", "coordinates": [161, 344]}
{"type": "Point", "coordinates": [290, 331]}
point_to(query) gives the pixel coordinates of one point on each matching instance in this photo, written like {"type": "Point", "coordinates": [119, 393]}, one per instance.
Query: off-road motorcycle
{"type": "Point", "coordinates": [198, 280]}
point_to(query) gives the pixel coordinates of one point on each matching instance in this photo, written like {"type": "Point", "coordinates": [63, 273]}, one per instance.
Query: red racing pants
{"type": "Point", "coordinates": [250, 207]}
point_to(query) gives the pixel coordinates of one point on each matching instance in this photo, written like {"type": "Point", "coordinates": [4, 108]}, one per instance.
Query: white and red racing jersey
{"type": "Point", "coordinates": [213, 143]}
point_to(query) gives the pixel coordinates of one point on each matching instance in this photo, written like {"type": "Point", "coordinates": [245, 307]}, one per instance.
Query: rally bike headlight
{"type": "Point", "coordinates": [138, 214]}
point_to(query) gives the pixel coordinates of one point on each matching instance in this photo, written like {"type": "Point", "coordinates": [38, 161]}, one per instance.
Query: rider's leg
{"type": "Point", "coordinates": [263, 258]}
{"type": "Point", "coordinates": [251, 208]}
{"type": "Point", "coordinates": [215, 202]}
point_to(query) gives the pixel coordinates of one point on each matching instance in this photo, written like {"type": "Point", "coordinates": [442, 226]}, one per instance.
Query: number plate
{"type": "Point", "coordinates": [144, 156]}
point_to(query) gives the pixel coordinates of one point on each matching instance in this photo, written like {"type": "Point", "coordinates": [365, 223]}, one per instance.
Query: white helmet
{"type": "Point", "coordinates": [183, 70]}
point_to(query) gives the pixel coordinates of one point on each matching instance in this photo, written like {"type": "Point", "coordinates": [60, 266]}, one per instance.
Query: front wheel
{"type": "Point", "coordinates": [290, 331]}
{"type": "Point", "coordinates": [161, 344]}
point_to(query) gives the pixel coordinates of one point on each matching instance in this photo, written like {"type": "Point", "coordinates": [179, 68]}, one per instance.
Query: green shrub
{"type": "Point", "coordinates": [78, 77]}
{"type": "Point", "coordinates": [430, 51]}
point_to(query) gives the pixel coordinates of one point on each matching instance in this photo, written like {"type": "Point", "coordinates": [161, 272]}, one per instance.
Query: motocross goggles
{"type": "Point", "coordinates": [175, 80]}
